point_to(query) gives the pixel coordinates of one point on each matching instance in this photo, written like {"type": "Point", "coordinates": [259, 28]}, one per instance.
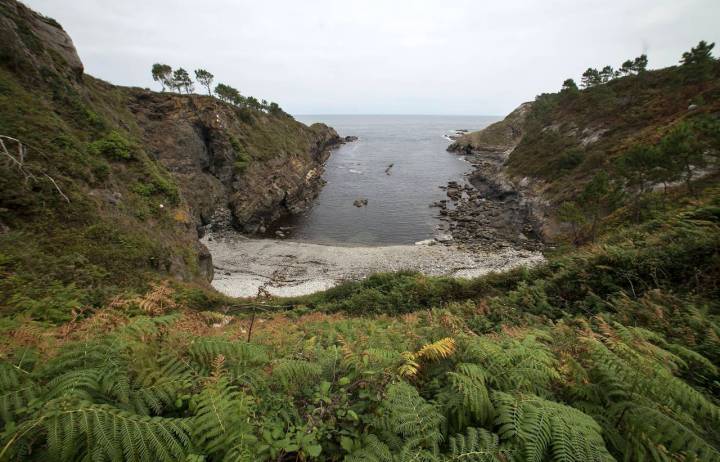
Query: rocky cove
{"type": "Point", "coordinates": [182, 179]}
{"type": "Point", "coordinates": [481, 225]}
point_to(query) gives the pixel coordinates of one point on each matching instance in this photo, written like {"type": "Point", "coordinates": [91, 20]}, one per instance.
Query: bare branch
{"type": "Point", "coordinates": [58, 188]}
{"type": "Point", "coordinates": [19, 163]}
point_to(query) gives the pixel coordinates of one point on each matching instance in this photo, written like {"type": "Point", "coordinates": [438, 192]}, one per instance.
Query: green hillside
{"type": "Point", "coordinates": [89, 205]}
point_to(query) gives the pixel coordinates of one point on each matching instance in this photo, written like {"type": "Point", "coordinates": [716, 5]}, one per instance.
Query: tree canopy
{"type": "Point", "coordinates": [181, 81]}
{"type": "Point", "coordinates": [205, 79]}
{"type": "Point", "coordinates": [162, 73]}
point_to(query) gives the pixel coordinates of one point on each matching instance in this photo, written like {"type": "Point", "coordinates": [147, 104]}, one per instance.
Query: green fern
{"type": "Point", "coordinates": [158, 383]}
{"type": "Point", "coordinates": [239, 356]}
{"type": "Point", "coordinates": [295, 374]}
{"type": "Point", "coordinates": [17, 389]}
{"type": "Point", "coordinates": [525, 365]}
{"type": "Point", "coordinates": [372, 450]}
{"type": "Point", "coordinates": [628, 384]}
{"type": "Point", "coordinates": [408, 423]}
{"type": "Point", "coordinates": [221, 423]}
{"type": "Point", "coordinates": [467, 398]}
{"type": "Point", "coordinates": [477, 445]}
{"type": "Point", "coordinates": [84, 431]}
{"type": "Point", "coordinates": [545, 428]}
{"type": "Point", "coordinates": [143, 328]}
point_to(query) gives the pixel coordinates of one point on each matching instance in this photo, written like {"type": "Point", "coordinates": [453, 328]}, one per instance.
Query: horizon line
{"type": "Point", "coordinates": [390, 114]}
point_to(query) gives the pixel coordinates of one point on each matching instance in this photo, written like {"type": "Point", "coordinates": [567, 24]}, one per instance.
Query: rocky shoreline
{"type": "Point", "coordinates": [488, 211]}
{"type": "Point", "coordinates": [491, 211]}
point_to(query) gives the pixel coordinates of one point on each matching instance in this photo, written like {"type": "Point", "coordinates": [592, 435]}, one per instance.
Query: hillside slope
{"type": "Point", "coordinates": [103, 188]}
{"type": "Point", "coordinates": [555, 145]}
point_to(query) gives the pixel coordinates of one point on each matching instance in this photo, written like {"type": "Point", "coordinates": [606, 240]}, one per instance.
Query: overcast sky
{"type": "Point", "coordinates": [381, 56]}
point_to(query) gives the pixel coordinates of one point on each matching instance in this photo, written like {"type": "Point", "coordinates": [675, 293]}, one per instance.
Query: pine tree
{"type": "Point", "coordinates": [639, 167]}
{"type": "Point", "coordinates": [699, 62]}
{"type": "Point", "coordinates": [684, 153]}
{"type": "Point", "coordinates": [606, 74]}
{"type": "Point", "coordinates": [569, 87]}
{"type": "Point", "coordinates": [590, 78]}
{"type": "Point", "coordinates": [162, 73]}
{"type": "Point", "coordinates": [181, 81]}
{"type": "Point", "coordinates": [227, 93]}
{"type": "Point", "coordinates": [205, 79]}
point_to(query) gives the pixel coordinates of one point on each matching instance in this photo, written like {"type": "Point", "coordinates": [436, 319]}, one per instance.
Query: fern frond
{"type": "Point", "coordinates": [87, 431]}
{"type": "Point", "coordinates": [158, 300]}
{"type": "Point", "coordinates": [238, 355]}
{"type": "Point", "coordinates": [296, 373]}
{"type": "Point", "coordinates": [477, 445]}
{"type": "Point", "coordinates": [373, 450]}
{"type": "Point", "coordinates": [543, 427]}
{"type": "Point", "coordinates": [143, 328]}
{"type": "Point", "coordinates": [411, 362]}
{"type": "Point", "coordinates": [654, 429]}
{"type": "Point", "coordinates": [645, 375]}
{"type": "Point", "coordinates": [441, 349]}
{"type": "Point", "coordinates": [221, 423]}
{"type": "Point", "coordinates": [473, 398]}
{"type": "Point", "coordinates": [410, 367]}
{"type": "Point", "coordinates": [525, 365]}
{"type": "Point", "coordinates": [405, 413]}
{"type": "Point", "coordinates": [17, 389]}
{"type": "Point", "coordinates": [80, 383]}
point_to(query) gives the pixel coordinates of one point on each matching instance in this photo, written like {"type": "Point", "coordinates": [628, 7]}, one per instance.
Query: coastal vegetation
{"type": "Point", "coordinates": [114, 347]}
{"type": "Point", "coordinates": [180, 81]}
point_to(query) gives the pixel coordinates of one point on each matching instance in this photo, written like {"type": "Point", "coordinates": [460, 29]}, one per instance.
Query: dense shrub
{"type": "Point", "coordinates": [114, 146]}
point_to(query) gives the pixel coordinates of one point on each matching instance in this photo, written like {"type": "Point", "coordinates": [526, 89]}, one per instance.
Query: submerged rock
{"type": "Point", "coordinates": [360, 202]}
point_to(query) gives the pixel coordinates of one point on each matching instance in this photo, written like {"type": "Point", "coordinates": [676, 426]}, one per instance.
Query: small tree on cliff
{"type": "Point", "coordinates": [227, 93]}
{"type": "Point", "coordinates": [275, 109]}
{"type": "Point", "coordinates": [625, 69]}
{"type": "Point", "coordinates": [590, 78]}
{"type": "Point", "coordinates": [205, 79]}
{"type": "Point", "coordinates": [597, 199]}
{"type": "Point", "coordinates": [606, 74]}
{"type": "Point", "coordinates": [570, 213]}
{"type": "Point", "coordinates": [639, 65]}
{"type": "Point", "coordinates": [162, 73]}
{"type": "Point", "coordinates": [253, 102]}
{"type": "Point", "coordinates": [181, 81]}
{"type": "Point", "coordinates": [683, 153]}
{"type": "Point", "coordinates": [639, 168]}
{"type": "Point", "coordinates": [569, 87]}
{"type": "Point", "coordinates": [699, 61]}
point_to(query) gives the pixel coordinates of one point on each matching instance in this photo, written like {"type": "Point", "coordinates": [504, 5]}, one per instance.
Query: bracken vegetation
{"type": "Point", "coordinates": [606, 354]}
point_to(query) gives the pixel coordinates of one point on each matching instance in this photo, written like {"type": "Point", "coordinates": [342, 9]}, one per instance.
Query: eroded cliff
{"type": "Point", "coordinates": [105, 188]}
{"type": "Point", "coordinates": [236, 167]}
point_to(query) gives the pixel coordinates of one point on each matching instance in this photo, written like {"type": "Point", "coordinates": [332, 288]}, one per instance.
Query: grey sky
{"type": "Point", "coordinates": [381, 56]}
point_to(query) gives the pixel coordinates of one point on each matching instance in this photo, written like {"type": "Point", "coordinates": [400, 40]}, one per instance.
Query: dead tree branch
{"type": "Point", "coordinates": [19, 163]}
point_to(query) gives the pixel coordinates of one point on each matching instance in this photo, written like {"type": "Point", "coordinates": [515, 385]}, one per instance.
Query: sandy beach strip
{"type": "Point", "coordinates": [289, 268]}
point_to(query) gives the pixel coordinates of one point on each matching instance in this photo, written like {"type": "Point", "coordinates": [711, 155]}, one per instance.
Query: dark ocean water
{"type": "Point", "coordinates": [398, 209]}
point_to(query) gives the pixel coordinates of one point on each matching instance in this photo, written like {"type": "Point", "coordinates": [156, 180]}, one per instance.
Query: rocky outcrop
{"type": "Point", "coordinates": [32, 42]}
{"type": "Point", "coordinates": [491, 210]}
{"type": "Point", "coordinates": [235, 167]}
{"type": "Point", "coordinates": [498, 137]}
